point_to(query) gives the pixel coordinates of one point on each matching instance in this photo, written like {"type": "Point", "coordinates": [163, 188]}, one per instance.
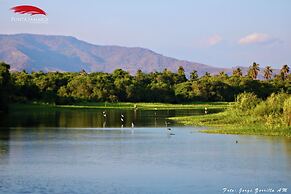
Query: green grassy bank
{"type": "Point", "coordinates": [227, 123]}
{"type": "Point", "coordinates": [123, 105]}
{"type": "Point", "coordinates": [248, 116]}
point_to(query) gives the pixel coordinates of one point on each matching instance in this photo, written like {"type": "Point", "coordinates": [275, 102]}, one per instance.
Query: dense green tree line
{"type": "Point", "coordinates": [165, 86]}
{"type": "Point", "coordinates": [4, 86]}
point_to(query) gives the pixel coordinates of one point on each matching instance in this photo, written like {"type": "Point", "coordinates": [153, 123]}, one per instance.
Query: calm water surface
{"type": "Point", "coordinates": [79, 151]}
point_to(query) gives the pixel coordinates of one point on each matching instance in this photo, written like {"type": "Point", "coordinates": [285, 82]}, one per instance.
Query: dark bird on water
{"type": "Point", "coordinates": [170, 131]}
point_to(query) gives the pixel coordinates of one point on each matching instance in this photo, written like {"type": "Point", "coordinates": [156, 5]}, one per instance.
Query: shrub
{"type": "Point", "coordinates": [274, 121]}
{"type": "Point", "coordinates": [246, 101]}
{"type": "Point", "coordinates": [262, 109]}
{"type": "Point", "coordinates": [273, 105]}
{"type": "Point", "coordinates": [287, 111]}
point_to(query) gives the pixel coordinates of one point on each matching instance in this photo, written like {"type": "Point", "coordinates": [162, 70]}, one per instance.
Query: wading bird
{"type": "Point", "coordinates": [122, 120]}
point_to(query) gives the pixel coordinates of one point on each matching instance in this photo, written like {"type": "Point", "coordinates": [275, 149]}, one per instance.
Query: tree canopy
{"type": "Point", "coordinates": [120, 85]}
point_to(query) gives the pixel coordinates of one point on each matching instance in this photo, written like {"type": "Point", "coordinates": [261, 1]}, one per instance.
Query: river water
{"type": "Point", "coordinates": [82, 151]}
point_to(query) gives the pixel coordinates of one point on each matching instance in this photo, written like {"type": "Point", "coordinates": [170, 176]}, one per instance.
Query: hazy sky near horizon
{"type": "Point", "coordinates": [221, 33]}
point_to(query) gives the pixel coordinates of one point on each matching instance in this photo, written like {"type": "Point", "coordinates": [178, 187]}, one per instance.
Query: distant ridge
{"type": "Point", "coordinates": [32, 52]}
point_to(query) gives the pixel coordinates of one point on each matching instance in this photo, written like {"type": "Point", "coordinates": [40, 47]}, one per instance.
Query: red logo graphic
{"type": "Point", "coordinates": [27, 9]}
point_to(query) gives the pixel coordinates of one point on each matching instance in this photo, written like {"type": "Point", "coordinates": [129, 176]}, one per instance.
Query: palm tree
{"type": "Point", "coordinates": [284, 71]}
{"type": "Point", "coordinates": [222, 74]}
{"type": "Point", "coordinates": [207, 74]}
{"type": "Point", "coordinates": [254, 70]}
{"type": "Point", "coordinates": [268, 72]}
{"type": "Point", "coordinates": [237, 72]}
{"type": "Point", "coordinates": [193, 75]}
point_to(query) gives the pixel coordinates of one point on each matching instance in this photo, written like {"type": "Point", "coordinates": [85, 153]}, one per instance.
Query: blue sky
{"type": "Point", "coordinates": [221, 33]}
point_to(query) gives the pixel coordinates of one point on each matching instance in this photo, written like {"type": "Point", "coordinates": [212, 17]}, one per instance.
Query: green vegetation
{"type": "Point", "coordinates": [122, 105]}
{"type": "Point", "coordinates": [4, 86]}
{"type": "Point", "coordinates": [70, 88]}
{"type": "Point", "coordinates": [249, 115]}
{"type": "Point", "coordinates": [261, 107]}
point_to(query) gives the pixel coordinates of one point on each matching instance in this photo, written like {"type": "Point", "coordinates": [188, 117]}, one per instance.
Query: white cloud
{"type": "Point", "coordinates": [255, 38]}
{"type": "Point", "coordinates": [213, 40]}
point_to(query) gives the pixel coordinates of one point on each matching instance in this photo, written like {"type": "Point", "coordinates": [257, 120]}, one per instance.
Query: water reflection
{"type": "Point", "coordinates": [91, 118]}
{"type": "Point", "coordinates": [287, 149]}
{"type": "Point", "coordinates": [184, 163]}
{"type": "Point", "coordinates": [4, 143]}
{"type": "Point", "coordinates": [84, 151]}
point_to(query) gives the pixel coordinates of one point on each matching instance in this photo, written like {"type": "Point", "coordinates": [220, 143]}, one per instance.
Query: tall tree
{"type": "Point", "coordinates": [4, 82]}
{"type": "Point", "coordinates": [207, 75]}
{"type": "Point", "coordinates": [268, 72]}
{"type": "Point", "coordinates": [4, 74]}
{"type": "Point", "coordinates": [237, 72]}
{"type": "Point", "coordinates": [122, 82]}
{"type": "Point", "coordinates": [284, 71]}
{"type": "Point", "coordinates": [193, 75]}
{"type": "Point", "coordinates": [254, 70]}
{"type": "Point", "coordinates": [222, 74]}
{"type": "Point", "coordinates": [181, 75]}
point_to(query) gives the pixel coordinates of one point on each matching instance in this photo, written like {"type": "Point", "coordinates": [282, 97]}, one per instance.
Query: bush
{"type": "Point", "coordinates": [246, 101]}
{"type": "Point", "coordinates": [287, 111]}
{"type": "Point", "coordinates": [274, 121]}
{"type": "Point", "coordinates": [262, 109]}
{"type": "Point", "coordinates": [273, 105]}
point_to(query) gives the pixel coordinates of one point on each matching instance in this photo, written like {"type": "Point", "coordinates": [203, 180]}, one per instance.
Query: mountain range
{"type": "Point", "coordinates": [46, 53]}
{"type": "Point", "coordinates": [33, 52]}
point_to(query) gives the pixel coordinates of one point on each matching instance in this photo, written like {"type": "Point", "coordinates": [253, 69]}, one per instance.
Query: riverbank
{"type": "Point", "coordinates": [224, 123]}
{"type": "Point", "coordinates": [247, 116]}
{"type": "Point", "coordinates": [123, 105]}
